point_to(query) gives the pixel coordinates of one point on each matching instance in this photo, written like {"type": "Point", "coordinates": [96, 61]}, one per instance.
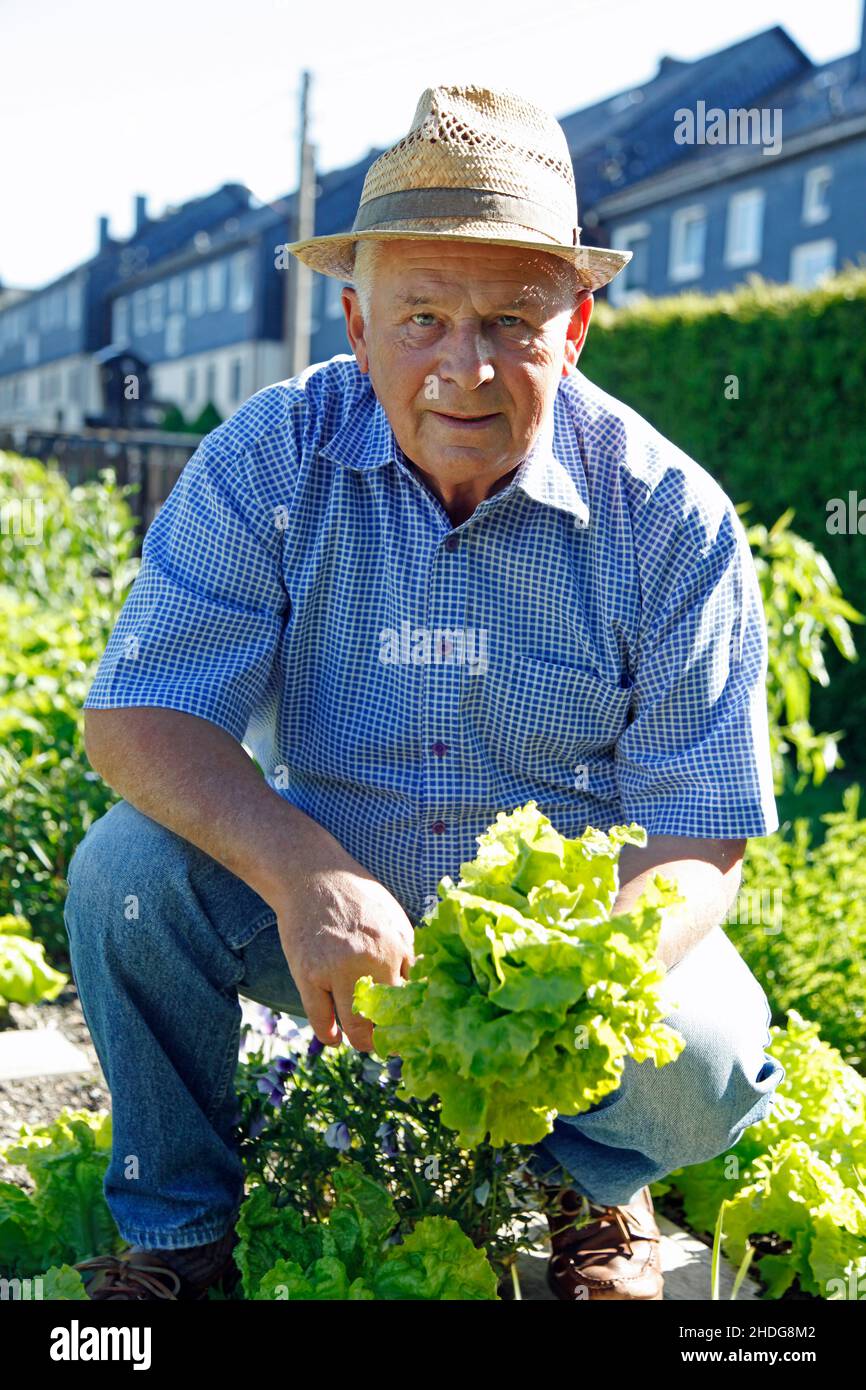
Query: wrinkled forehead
{"type": "Point", "coordinates": [406, 266]}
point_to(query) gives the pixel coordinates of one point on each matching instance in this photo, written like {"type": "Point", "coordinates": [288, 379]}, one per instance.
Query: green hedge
{"type": "Point", "coordinates": [64, 572]}
{"type": "Point", "coordinates": [794, 437]}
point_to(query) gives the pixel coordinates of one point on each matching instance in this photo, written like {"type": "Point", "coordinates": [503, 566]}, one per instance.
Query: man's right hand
{"type": "Point", "coordinates": [337, 924]}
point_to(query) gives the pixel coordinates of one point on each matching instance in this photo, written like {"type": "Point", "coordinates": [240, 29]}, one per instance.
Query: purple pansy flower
{"type": "Point", "coordinates": [284, 1066]}
{"type": "Point", "coordinates": [387, 1137]}
{"type": "Point", "coordinates": [394, 1067]}
{"type": "Point", "coordinates": [337, 1136]}
{"type": "Point", "coordinates": [371, 1071]}
{"type": "Point", "coordinates": [315, 1049]}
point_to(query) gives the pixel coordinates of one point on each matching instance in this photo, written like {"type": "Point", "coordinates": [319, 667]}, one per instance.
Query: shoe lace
{"type": "Point", "coordinates": [132, 1273]}
{"type": "Point", "coordinates": [590, 1213]}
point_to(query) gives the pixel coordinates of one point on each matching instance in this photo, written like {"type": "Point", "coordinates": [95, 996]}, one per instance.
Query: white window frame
{"type": "Point", "coordinates": [679, 267]}
{"type": "Point", "coordinates": [174, 334]}
{"type": "Point", "coordinates": [800, 255]}
{"type": "Point", "coordinates": [621, 292]}
{"type": "Point", "coordinates": [74, 304]}
{"type": "Point", "coordinates": [156, 305]}
{"type": "Point", "coordinates": [195, 293]}
{"type": "Point", "coordinates": [236, 373]}
{"type": "Point", "coordinates": [744, 228]}
{"type": "Point", "coordinates": [333, 298]}
{"type": "Point", "coordinates": [241, 281]}
{"type": "Point", "coordinates": [816, 183]}
{"type": "Point", "coordinates": [120, 321]}
{"type": "Point", "coordinates": [139, 313]}
{"type": "Point", "coordinates": [216, 285]}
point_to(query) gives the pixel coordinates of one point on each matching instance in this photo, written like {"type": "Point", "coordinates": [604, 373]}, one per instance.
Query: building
{"type": "Point", "coordinates": [782, 196]}
{"type": "Point", "coordinates": [750, 160]}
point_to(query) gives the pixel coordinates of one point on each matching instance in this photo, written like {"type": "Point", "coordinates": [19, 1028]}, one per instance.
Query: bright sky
{"type": "Point", "coordinates": [102, 100]}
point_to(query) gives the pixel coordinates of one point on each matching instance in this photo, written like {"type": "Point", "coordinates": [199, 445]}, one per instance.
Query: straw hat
{"type": "Point", "coordinates": [476, 165]}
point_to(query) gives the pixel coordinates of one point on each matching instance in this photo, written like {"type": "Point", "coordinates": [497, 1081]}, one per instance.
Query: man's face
{"type": "Point", "coordinates": [462, 330]}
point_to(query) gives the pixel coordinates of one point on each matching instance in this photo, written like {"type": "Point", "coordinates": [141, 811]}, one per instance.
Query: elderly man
{"type": "Point", "coordinates": [423, 583]}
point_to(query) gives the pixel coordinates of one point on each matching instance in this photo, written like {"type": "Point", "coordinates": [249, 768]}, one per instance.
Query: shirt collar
{"type": "Point", "coordinates": [552, 472]}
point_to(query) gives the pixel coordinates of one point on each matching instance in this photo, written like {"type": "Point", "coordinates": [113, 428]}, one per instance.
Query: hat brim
{"type": "Point", "coordinates": [334, 255]}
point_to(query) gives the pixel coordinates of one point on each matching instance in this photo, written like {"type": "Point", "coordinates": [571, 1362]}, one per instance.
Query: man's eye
{"type": "Point", "coordinates": [513, 317]}
{"type": "Point", "coordinates": [422, 314]}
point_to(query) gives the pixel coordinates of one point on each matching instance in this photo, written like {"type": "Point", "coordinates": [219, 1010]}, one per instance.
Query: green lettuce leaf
{"type": "Point", "coordinates": [526, 996]}
{"type": "Point", "coordinates": [63, 1282]}
{"type": "Point", "coordinates": [69, 1218]}
{"type": "Point", "coordinates": [436, 1262]}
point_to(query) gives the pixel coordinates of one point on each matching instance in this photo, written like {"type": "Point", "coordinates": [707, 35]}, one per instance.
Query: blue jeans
{"type": "Point", "coordinates": [163, 939]}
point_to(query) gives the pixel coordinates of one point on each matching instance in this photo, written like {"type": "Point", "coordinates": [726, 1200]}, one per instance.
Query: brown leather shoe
{"type": "Point", "coordinates": [138, 1274]}
{"type": "Point", "coordinates": [603, 1252]}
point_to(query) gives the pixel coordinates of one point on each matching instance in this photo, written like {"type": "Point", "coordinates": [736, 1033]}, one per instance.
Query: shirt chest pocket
{"type": "Point", "coordinates": [542, 720]}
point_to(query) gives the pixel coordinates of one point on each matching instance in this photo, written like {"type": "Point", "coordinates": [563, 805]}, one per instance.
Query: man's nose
{"type": "Point", "coordinates": [467, 357]}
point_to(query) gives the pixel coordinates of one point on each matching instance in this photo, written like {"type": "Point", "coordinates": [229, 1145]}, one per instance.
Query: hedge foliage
{"type": "Point", "coordinates": [788, 432]}
{"type": "Point", "coordinates": [62, 583]}
{"type": "Point", "coordinates": [800, 923]}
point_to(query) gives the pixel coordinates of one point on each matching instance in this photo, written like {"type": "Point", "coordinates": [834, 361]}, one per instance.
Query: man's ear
{"type": "Point", "coordinates": [578, 327]}
{"type": "Point", "coordinates": [355, 328]}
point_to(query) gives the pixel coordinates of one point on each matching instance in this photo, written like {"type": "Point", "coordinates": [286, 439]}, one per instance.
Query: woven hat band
{"type": "Point", "coordinates": [414, 203]}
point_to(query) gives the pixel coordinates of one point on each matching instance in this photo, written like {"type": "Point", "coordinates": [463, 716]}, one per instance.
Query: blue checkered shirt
{"type": "Point", "coordinates": [591, 637]}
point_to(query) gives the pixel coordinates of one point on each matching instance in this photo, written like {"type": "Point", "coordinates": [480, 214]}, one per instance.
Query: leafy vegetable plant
{"type": "Point", "coordinates": [25, 975]}
{"type": "Point", "coordinates": [793, 1186]}
{"type": "Point", "coordinates": [352, 1254]}
{"type": "Point", "coordinates": [67, 1218]}
{"type": "Point", "coordinates": [526, 995]}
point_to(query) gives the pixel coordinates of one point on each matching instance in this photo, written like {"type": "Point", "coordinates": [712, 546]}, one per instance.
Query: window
{"type": "Point", "coordinates": [174, 335]}
{"type": "Point", "coordinates": [175, 293]}
{"type": "Point", "coordinates": [196, 292]}
{"type": "Point", "coordinates": [210, 382]}
{"type": "Point", "coordinates": [632, 281]}
{"type": "Point", "coordinates": [816, 187]}
{"type": "Point", "coordinates": [216, 285]}
{"type": "Point", "coordinates": [241, 281]}
{"type": "Point", "coordinates": [745, 227]}
{"type": "Point", "coordinates": [73, 385]}
{"type": "Point", "coordinates": [157, 307]}
{"type": "Point", "coordinates": [73, 304]}
{"type": "Point", "coordinates": [333, 306]}
{"type": "Point", "coordinates": [688, 240]}
{"type": "Point", "coordinates": [31, 348]}
{"type": "Point", "coordinates": [139, 313]}
{"type": "Point", "coordinates": [190, 385]}
{"type": "Point", "coordinates": [235, 378]}
{"type": "Point", "coordinates": [120, 321]}
{"type": "Point", "coordinates": [813, 261]}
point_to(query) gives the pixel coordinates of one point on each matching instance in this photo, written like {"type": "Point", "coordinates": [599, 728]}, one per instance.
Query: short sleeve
{"type": "Point", "coordinates": [200, 627]}
{"type": "Point", "coordinates": [695, 758]}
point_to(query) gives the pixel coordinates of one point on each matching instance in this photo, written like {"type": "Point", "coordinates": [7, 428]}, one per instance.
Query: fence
{"type": "Point", "coordinates": [150, 458]}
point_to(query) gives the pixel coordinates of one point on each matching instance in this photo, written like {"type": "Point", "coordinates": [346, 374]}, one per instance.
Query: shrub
{"type": "Point", "coordinates": [793, 436]}
{"type": "Point", "coordinates": [811, 955]}
{"type": "Point", "coordinates": [59, 599]}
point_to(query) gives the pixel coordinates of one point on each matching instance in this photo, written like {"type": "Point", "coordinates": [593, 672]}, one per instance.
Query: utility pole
{"type": "Point", "coordinates": [299, 293]}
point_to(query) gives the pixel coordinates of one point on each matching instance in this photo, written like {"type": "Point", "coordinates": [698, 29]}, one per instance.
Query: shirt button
{"type": "Point", "coordinates": [437, 827]}
{"type": "Point", "coordinates": [439, 748]}
{"type": "Point", "coordinates": [452, 542]}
